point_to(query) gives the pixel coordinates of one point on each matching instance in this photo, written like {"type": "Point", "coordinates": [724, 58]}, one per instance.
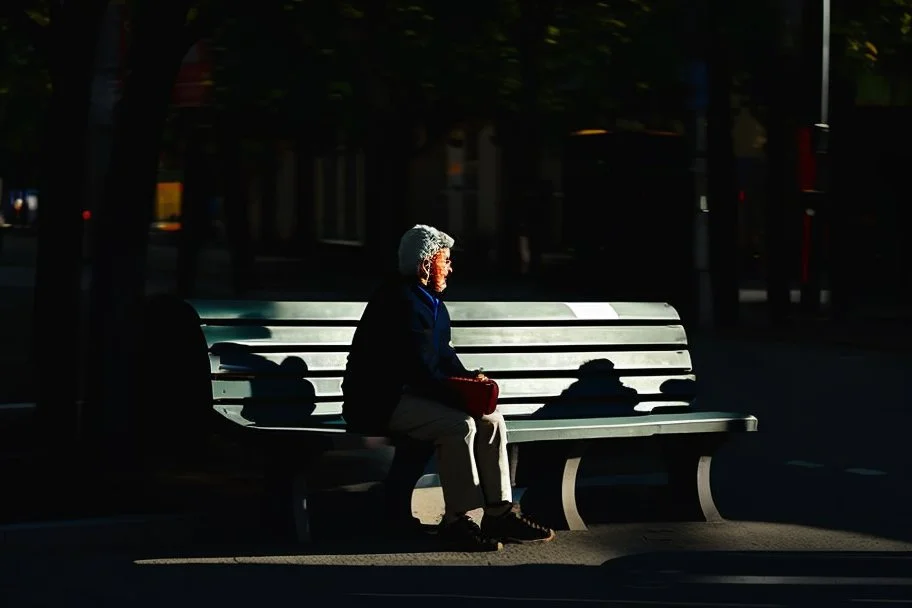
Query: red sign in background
{"type": "Point", "coordinates": [807, 163]}
{"type": "Point", "coordinates": [194, 81]}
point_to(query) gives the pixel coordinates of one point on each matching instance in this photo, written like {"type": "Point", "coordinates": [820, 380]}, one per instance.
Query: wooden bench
{"type": "Point", "coordinates": [573, 376]}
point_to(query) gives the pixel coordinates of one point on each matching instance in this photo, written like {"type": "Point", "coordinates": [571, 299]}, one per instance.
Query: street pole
{"type": "Point", "coordinates": [697, 78]}
{"type": "Point", "coordinates": [105, 95]}
{"type": "Point", "coordinates": [2, 221]}
{"type": "Point", "coordinates": [701, 224]}
{"type": "Point", "coordinates": [815, 199]}
{"type": "Point", "coordinates": [825, 64]}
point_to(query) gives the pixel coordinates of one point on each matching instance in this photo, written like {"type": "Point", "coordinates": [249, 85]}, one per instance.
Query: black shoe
{"type": "Point", "coordinates": [514, 527]}
{"type": "Point", "coordinates": [464, 534]}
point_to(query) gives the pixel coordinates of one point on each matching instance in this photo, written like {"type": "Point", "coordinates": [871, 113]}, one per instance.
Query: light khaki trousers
{"type": "Point", "coordinates": [471, 453]}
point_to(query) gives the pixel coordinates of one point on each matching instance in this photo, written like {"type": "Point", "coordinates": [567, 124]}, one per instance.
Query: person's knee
{"type": "Point", "coordinates": [492, 427]}
{"type": "Point", "coordinates": [463, 427]}
{"type": "Point", "coordinates": [494, 419]}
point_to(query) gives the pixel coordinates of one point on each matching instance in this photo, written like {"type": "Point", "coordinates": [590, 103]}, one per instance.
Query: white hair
{"type": "Point", "coordinates": [420, 243]}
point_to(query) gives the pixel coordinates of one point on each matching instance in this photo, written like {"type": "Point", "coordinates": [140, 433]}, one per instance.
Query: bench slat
{"type": "Point", "coordinates": [290, 415]}
{"type": "Point", "coordinates": [472, 337]}
{"type": "Point", "coordinates": [525, 430]}
{"type": "Point", "coordinates": [520, 431]}
{"type": "Point", "coordinates": [510, 388]}
{"type": "Point", "coordinates": [660, 361]}
{"type": "Point", "coordinates": [251, 311]}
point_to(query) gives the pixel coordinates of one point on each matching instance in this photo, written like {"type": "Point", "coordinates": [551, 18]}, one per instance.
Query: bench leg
{"type": "Point", "coordinates": [286, 505]}
{"type": "Point", "coordinates": [568, 492]}
{"type": "Point", "coordinates": [277, 497]}
{"type": "Point", "coordinates": [689, 464]}
{"type": "Point", "coordinates": [552, 495]}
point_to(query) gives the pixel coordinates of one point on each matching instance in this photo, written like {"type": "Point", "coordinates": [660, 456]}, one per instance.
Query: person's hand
{"type": "Point", "coordinates": [480, 376]}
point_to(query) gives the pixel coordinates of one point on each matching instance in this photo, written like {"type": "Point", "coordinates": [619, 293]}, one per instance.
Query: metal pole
{"type": "Point", "coordinates": [815, 207]}
{"type": "Point", "coordinates": [823, 137]}
{"type": "Point", "coordinates": [2, 221]}
{"type": "Point", "coordinates": [701, 226]}
{"type": "Point", "coordinates": [698, 79]}
{"type": "Point", "coordinates": [822, 128]}
{"type": "Point", "coordinates": [825, 65]}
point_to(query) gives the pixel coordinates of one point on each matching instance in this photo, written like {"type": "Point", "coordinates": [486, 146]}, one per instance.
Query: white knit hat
{"type": "Point", "coordinates": [420, 243]}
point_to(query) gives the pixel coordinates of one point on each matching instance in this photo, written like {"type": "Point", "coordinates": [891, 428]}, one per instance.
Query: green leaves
{"type": "Point", "coordinates": [24, 85]}
{"type": "Point", "coordinates": [878, 39]}
{"type": "Point", "coordinates": [342, 61]}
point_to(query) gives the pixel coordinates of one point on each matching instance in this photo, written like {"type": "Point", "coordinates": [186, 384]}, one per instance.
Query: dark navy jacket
{"type": "Point", "coordinates": [402, 343]}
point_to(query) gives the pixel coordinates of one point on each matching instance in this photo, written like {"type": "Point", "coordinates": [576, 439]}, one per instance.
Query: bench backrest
{"type": "Point", "coordinates": [588, 358]}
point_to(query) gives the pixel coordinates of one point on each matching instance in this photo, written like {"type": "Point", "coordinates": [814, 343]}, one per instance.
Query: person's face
{"type": "Point", "coordinates": [437, 269]}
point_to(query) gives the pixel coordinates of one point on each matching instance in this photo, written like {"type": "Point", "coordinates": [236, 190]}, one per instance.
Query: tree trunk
{"type": "Point", "coordinates": [268, 167]}
{"type": "Point", "coordinates": [119, 263]}
{"type": "Point", "coordinates": [306, 236]}
{"type": "Point", "coordinates": [844, 178]}
{"type": "Point", "coordinates": [519, 167]}
{"type": "Point", "coordinates": [386, 155]}
{"type": "Point", "coordinates": [58, 275]}
{"type": "Point", "coordinates": [782, 189]}
{"type": "Point", "coordinates": [235, 193]}
{"type": "Point", "coordinates": [521, 138]}
{"type": "Point", "coordinates": [387, 144]}
{"type": "Point", "coordinates": [194, 208]}
{"type": "Point", "coordinates": [722, 186]}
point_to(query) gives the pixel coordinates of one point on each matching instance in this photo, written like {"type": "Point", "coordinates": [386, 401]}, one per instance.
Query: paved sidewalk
{"type": "Point", "coordinates": [738, 564]}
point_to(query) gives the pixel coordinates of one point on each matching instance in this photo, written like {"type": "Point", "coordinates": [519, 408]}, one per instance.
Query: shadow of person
{"type": "Point", "coordinates": [598, 392]}
{"type": "Point", "coordinates": [279, 393]}
{"type": "Point", "coordinates": [275, 395]}
{"type": "Point", "coordinates": [682, 390]}
{"type": "Point", "coordinates": [217, 333]}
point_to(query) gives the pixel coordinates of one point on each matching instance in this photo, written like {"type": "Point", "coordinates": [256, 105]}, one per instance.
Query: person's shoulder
{"type": "Point", "coordinates": [390, 289]}
{"type": "Point", "coordinates": [443, 309]}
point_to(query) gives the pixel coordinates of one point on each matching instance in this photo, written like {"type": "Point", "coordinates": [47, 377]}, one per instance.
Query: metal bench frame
{"type": "Point", "coordinates": [639, 331]}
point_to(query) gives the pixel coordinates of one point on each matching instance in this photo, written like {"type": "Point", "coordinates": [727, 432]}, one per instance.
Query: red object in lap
{"type": "Point", "coordinates": [478, 395]}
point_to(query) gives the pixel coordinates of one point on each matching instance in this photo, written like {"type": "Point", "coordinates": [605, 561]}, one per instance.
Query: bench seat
{"type": "Point", "coordinates": [525, 430]}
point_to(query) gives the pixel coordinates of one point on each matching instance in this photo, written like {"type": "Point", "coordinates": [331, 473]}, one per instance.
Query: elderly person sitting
{"type": "Point", "coordinates": [403, 391]}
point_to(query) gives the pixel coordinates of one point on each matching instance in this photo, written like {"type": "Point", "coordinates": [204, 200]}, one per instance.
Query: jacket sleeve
{"type": "Point", "coordinates": [449, 360]}
{"type": "Point", "coordinates": [424, 369]}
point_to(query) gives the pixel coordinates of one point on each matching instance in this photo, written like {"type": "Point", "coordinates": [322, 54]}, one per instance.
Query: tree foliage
{"type": "Point", "coordinates": [878, 38]}
{"type": "Point", "coordinates": [309, 65]}
{"type": "Point", "coordinates": [25, 88]}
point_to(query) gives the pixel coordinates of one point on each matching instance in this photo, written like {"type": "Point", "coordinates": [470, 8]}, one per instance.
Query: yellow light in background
{"type": "Point", "coordinates": [590, 132]}
{"type": "Point", "coordinates": [639, 130]}
{"type": "Point", "coordinates": [168, 200]}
